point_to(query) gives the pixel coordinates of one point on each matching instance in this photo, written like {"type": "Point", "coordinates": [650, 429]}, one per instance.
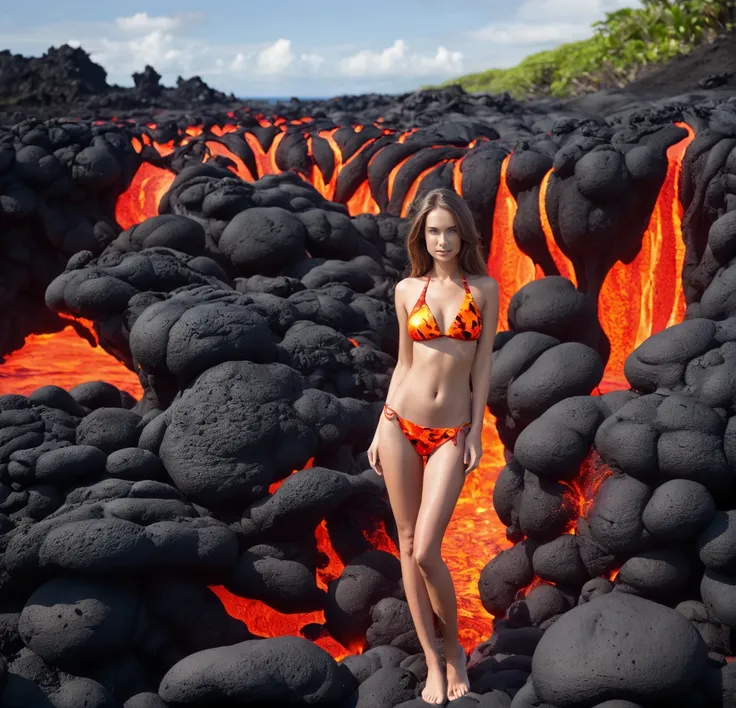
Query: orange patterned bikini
{"type": "Point", "coordinates": [468, 324]}
{"type": "Point", "coordinates": [425, 440]}
{"type": "Point", "coordinates": [422, 326]}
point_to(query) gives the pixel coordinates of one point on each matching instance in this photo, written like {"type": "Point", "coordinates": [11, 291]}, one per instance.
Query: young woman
{"type": "Point", "coordinates": [447, 310]}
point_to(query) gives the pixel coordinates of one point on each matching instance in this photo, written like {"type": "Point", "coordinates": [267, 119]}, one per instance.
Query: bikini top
{"type": "Point", "coordinates": [467, 324]}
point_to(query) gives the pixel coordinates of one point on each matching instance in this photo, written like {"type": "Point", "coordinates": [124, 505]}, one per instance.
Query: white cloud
{"type": "Point", "coordinates": [143, 22]}
{"type": "Point", "coordinates": [550, 22]}
{"type": "Point", "coordinates": [519, 33]}
{"type": "Point", "coordinates": [272, 60]}
{"type": "Point", "coordinates": [313, 61]}
{"type": "Point", "coordinates": [580, 11]}
{"type": "Point", "coordinates": [240, 62]}
{"type": "Point", "coordinates": [444, 61]}
{"type": "Point", "coordinates": [276, 58]}
{"type": "Point", "coordinates": [397, 60]}
{"type": "Point", "coordinates": [159, 49]}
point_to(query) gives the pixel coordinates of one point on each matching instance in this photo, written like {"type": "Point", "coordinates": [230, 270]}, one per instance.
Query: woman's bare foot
{"type": "Point", "coordinates": [434, 689]}
{"type": "Point", "coordinates": [457, 674]}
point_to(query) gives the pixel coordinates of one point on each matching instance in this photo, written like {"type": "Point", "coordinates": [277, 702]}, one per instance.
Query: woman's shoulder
{"type": "Point", "coordinates": [406, 284]}
{"type": "Point", "coordinates": [484, 283]}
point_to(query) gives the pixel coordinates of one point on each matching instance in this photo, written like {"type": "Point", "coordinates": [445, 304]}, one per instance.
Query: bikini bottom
{"type": "Point", "coordinates": [425, 440]}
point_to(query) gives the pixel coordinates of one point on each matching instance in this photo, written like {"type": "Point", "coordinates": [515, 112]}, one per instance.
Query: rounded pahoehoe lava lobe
{"type": "Point", "coordinates": [71, 622]}
{"type": "Point", "coordinates": [282, 669]}
{"type": "Point", "coordinates": [263, 403]}
{"type": "Point", "coordinates": [617, 646]}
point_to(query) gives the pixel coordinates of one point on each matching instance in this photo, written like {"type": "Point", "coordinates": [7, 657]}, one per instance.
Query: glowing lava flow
{"type": "Point", "coordinates": [652, 282]}
{"type": "Point", "coordinates": [474, 536]}
{"type": "Point", "coordinates": [583, 488]}
{"type": "Point", "coordinates": [264, 621]}
{"type": "Point", "coordinates": [636, 299]}
{"type": "Point", "coordinates": [507, 263]}
{"type": "Point", "coordinates": [140, 201]}
{"type": "Point", "coordinates": [643, 297]}
{"type": "Point", "coordinates": [63, 359]}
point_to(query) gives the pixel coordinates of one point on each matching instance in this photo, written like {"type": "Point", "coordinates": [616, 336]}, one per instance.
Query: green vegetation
{"type": "Point", "coordinates": [625, 43]}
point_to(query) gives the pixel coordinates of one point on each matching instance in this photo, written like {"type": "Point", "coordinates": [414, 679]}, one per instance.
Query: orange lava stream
{"type": "Point", "coordinates": [652, 282]}
{"type": "Point", "coordinates": [645, 296]}
{"type": "Point", "coordinates": [564, 266]}
{"type": "Point", "coordinates": [583, 488]}
{"type": "Point", "coordinates": [63, 359]}
{"type": "Point", "coordinates": [475, 536]}
{"type": "Point", "coordinates": [140, 201]}
{"type": "Point", "coordinates": [326, 189]}
{"type": "Point", "coordinates": [511, 267]}
{"type": "Point", "coordinates": [241, 170]}
{"type": "Point", "coordinates": [412, 191]}
{"type": "Point", "coordinates": [267, 622]}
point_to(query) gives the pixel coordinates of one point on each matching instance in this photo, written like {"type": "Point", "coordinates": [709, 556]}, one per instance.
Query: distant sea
{"type": "Point", "coordinates": [276, 99]}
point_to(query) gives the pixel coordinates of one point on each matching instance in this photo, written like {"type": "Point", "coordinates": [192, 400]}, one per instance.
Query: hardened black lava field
{"type": "Point", "coordinates": [241, 262]}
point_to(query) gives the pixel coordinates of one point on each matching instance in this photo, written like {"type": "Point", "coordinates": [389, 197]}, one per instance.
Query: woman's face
{"type": "Point", "coordinates": [441, 235]}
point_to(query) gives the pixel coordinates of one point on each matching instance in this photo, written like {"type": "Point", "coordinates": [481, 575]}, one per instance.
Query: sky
{"type": "Point", "coordinates": [299, 48]}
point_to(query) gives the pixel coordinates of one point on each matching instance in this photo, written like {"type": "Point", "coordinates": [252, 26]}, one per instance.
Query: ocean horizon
{"type": "Point", "coordinates": [276, 99]}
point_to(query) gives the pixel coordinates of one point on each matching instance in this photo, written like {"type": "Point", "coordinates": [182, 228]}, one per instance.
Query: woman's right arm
{"type": "Point", "coordinates": [403, 363]}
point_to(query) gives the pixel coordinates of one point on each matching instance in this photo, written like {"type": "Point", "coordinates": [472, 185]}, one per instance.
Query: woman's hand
{"type": "Point", "coordinates": [473, 451]}
{"type": "Point", "coordinates": [373, 460]}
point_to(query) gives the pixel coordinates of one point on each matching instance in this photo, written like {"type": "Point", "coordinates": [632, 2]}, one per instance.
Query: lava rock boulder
{"type": "Point", "coordinates": [617, 646]}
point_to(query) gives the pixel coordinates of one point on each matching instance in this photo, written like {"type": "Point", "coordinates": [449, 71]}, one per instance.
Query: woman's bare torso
{"type": "Point", "coordinates": [435, 392]}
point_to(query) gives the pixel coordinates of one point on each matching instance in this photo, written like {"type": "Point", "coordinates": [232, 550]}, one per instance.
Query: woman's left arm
{"type": "Point", "coordinates": [480, 372]}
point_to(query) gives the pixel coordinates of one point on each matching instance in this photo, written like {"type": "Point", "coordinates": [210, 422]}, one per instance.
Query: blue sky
{"type": "Point", "coordinates": [294, 47]}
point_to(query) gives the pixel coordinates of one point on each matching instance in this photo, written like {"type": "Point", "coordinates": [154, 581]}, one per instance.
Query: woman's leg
{"type": "Point", "coordinates": [402, 471]}
{"type": "Point", "coordinates": [444, 477]}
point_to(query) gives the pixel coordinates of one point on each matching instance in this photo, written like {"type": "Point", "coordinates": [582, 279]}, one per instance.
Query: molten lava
{"type": "Point", "coordinates": [507, 263]}
{"type": "Point", "coordinates": [582, 489]}
{"type": "Point", "coordinates": [636, 299]}
{"type": "Point", "coordinates": [140, 201]}
{"type": "Point", "coordinates": [580, 495]}
{"type": "Point", "coordinates": [63, 359]}
{"type": "Point", "coordinates": [645, 296]}
{"type": "Point", "coordinates": [475, 535]}
{"type": "Point", "coordinates": [264, 621]}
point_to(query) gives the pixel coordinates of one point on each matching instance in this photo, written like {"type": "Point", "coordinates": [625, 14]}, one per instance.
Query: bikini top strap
{"type": "Point", "coordinates": [424, 292]}
{"type": "Point", "coordinates": [465, 284]}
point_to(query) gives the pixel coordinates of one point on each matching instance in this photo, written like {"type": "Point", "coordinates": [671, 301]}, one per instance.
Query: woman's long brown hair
{"type": "Point", "coordinates": [470, 259]}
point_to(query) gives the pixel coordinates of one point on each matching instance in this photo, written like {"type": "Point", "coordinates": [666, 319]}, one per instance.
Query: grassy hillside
{"type": "Point", "coordinates": [625, 45]}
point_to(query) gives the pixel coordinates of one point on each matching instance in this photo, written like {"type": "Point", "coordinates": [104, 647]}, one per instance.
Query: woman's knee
{"type": "Point", "coordinates": [428, 558]}
{"type": "Point", "coordinates": [406, 539]}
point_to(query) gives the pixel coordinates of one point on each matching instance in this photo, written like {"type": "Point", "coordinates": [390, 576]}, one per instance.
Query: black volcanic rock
{"type": "Point", "coordinates": [67, 75]}
{"type": "Point", "coordinates": [76, 621]}
{"type": "Point", "coordinates": [148, 81]}
{"type": "Point", "coordinates": [62, 75]}
{"type": "Point", "coordinates": [302, 672]}
{"type": "Point", "coordinates": [617, 646]}
{"type": "Point", "coordinates": [257, 311]}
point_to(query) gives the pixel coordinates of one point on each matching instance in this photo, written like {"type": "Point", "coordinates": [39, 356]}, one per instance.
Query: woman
{"type": "Point", "coordinates": [447, 310]}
